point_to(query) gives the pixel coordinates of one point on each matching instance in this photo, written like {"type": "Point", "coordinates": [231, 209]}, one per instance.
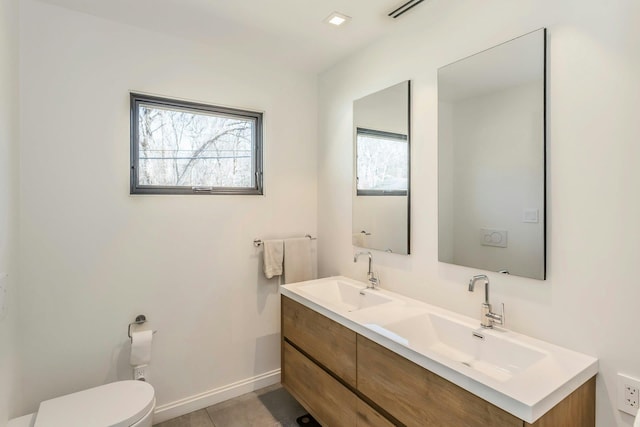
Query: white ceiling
{"type": "Point", "coordinates": [285, 30]}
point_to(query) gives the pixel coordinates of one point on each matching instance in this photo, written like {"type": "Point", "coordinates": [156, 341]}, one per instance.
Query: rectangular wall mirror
{"type": "Point", "coordinates": [382, 170]}
{"type": "Point", "coordinates": [491, 159]}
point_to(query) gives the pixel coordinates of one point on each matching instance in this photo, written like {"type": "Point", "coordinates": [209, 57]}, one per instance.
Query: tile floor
{"type": "Point", "coordinates": [272, 406]}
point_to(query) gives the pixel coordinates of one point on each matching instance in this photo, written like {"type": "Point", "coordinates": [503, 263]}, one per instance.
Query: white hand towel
{"type": "Point", "coordinates": [298, 265]}
{"type": "Point", "coordinates": [273, 255]}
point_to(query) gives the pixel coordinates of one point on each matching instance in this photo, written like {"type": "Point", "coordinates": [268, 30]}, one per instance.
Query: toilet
{"type": "Point", "coordinates": [118, 404]}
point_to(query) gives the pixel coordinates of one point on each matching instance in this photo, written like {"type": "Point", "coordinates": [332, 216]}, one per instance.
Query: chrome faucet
{"type": "Point", "coordinates": [373, 280]}
{"type": "Point", "coordinates": [487, 317]}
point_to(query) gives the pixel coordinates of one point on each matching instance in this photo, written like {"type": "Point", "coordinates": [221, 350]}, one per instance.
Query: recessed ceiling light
{"type": "Point", "coordinates": [337, 19]}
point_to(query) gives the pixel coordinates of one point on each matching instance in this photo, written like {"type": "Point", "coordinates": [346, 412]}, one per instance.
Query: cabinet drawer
{"type": "Point", "coordinates": [331, 403]}
{"type": "Point", "coordinates": [369, 417]}
{"type": "Point", "coordinates": [417, 397]}
{"type": "Point", "coordinates": [328, 342]}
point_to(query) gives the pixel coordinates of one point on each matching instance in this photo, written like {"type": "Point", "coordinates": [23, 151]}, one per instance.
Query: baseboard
{"type": "Point", "coordinates": [211, 397]}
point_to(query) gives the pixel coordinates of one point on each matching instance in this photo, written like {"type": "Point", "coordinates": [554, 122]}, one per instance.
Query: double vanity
{"type": "Point", "coordinates": [355, 356]}
{"type": "Point", "coordinates": [369, 357]}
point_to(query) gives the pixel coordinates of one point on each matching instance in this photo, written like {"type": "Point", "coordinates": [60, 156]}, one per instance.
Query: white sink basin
{"type": "Point", "coordinates": [343, 296]}
{"type": "Point", "coordinates": [496, 356]}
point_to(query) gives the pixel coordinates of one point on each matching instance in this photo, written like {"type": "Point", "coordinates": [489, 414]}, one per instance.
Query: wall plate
{"type": "Point", "coordinates": [628, 394]}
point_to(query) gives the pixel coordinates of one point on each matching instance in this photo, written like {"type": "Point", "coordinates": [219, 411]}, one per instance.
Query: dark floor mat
{"type": "Point", "coordinates": [307, 421]}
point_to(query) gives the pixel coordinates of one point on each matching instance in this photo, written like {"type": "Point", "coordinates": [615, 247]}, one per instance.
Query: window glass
{"type": "Point", "coordinates": [180, 147]}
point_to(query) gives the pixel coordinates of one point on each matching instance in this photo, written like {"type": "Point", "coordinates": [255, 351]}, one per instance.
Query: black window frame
{"type": "Point", "coordinates": [389, 135]}
{"type": "Point", "coordinates": [257, 154]}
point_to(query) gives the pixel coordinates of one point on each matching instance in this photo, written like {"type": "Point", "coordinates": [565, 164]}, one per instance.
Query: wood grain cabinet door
{"type": "Point", "coordinates": [328, 342]}
{"type": "Point", "coordinates": [369, 417]}
{"type": "Point", "coordinates": [417, 397]}
{"type": "Point", "coordinates": [331, 403]}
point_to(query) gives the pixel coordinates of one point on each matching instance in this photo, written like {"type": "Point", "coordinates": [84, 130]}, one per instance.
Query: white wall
{"type": "Point", "coordinates": [591, 296]}
{"type": "Point", "coordinates": [8, 205]}
{"type": "Point", "coordinates": [93, 257]}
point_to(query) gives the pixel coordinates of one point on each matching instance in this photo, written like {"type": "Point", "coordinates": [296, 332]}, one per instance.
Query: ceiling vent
{"type": "Point", "coordinates": [404, 8]}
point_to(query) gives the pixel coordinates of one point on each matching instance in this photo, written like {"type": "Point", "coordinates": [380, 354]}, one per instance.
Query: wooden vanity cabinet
{"type": "Point", "coordinates": [324, 397]}
{"type": "Point", "coordinates": [319, 368]}
{"type": "Point", "coordinates": [344, 380]}
{"type": "Point", "coordinates": [331, 403]}
{"type": "Point", "coordinates": [418, 397]}
{"type": "Point", "coordinates": [327, 342]}
{"type": "Point", "coordinates": [366, 416]}
{"type": "Point", "coordinates": [576, 410]}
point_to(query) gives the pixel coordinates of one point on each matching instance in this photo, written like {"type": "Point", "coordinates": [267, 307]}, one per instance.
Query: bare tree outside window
{"type": "Point", "coordinates": [382, 162]}
{"type": "Point", "coordinates": [182, 147]}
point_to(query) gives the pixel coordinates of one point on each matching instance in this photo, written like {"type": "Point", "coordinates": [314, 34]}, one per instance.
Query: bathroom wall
{"type": "Point", "coordinates": [93, 256]}
{"type": "Point", "coordinates": [590, 301]}
{"type": "Point", "coordinates": [8, 207]}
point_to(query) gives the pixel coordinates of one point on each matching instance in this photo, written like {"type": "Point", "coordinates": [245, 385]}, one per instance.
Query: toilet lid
{"type": "Point", "coordinates": [119, 404]}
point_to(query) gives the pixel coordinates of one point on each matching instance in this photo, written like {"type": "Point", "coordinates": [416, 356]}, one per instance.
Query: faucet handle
{"type": "Point", "coordinates": [498, 318]}
{"type": "Point", "coordinates": [373, 280]}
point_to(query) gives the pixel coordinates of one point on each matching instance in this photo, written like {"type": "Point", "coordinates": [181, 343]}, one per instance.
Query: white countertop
{"type": "Point", "coordinates": [528, 393]}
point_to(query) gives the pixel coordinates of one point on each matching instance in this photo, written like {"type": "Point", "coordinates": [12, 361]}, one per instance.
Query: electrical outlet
{"type": "Point", "coordinates": [628, 394]}
{"type": "Point", "coordinates": [139, 373]}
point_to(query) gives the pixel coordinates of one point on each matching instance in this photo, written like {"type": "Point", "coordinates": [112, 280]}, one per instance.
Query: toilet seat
{"type": "Point", "coordinates": [118, 404]}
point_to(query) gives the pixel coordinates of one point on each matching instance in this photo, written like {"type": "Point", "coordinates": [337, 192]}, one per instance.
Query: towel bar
{"type": "Point", "coordinates": [258, 242]}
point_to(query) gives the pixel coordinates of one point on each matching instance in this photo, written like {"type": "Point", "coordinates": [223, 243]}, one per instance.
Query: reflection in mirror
{"type": "Point", "coordinates": [382, 151]}
{"type": "Point", "coordinates": [382, 165]}
{"type": "Point", "coordinates": [491, 159]}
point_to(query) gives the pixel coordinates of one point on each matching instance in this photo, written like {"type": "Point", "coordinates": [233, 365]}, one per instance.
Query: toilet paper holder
{"type": "Point", "coordinates": [140, 319]}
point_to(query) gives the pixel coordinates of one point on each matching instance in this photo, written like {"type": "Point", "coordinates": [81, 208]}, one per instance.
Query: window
{"type": "Point", "coordinates": [180, 147]}
{"type": "Point", "coordinates": [382, 163]}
